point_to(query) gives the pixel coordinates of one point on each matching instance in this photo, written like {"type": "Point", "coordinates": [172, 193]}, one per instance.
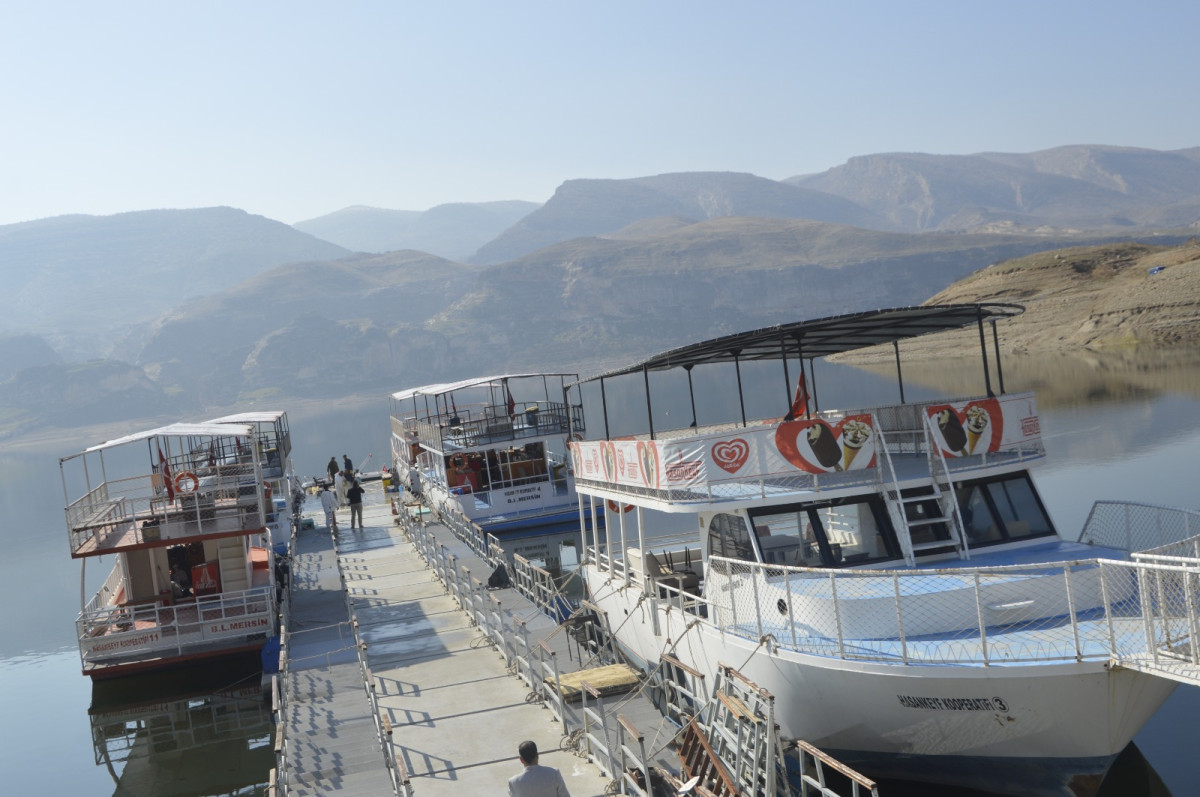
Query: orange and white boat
{"type": "Point", "coordinates": [183, 510]}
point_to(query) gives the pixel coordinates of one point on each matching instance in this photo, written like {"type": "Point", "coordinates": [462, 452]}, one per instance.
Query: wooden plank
{"type": "Point", "coordinates": [612, 679]}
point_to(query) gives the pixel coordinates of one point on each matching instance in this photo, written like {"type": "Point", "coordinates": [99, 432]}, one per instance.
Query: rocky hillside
{"type": "Point", "coordinates": [1060, 189]}
{"type": "Point", "coordinates": [586, 208]}
{"type": "Point", "coordinates": [1113, 297]}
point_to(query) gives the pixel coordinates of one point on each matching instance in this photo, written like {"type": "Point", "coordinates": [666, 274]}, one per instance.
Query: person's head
{"type": "Point", "coordinates": [528, 752]}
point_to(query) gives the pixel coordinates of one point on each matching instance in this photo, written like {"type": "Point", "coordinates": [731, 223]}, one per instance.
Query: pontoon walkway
{"type": "Point", "coordinates": [436, 682]}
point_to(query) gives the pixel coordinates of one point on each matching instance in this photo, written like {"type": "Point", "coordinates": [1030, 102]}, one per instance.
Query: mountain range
{"type": "Point", "coordinates": [171, 311]}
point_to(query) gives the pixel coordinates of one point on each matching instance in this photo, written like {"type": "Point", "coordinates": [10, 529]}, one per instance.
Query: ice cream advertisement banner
{"type": "Point", "coordinates": [984, 425]}
{"type": "Point", "coordinates": [814, 446]}
{"type": "Point", "coordinates": [817, 446]}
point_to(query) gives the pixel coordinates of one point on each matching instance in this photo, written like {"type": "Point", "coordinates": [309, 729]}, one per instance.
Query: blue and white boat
{"type": "Point", "coordinates": [493, 450]}
{"type": "Point", "coordinates": [889, 573]}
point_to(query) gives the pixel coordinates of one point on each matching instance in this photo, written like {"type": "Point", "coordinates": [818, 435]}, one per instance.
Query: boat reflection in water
{"type": "Point", "coordinates": [158, 736]}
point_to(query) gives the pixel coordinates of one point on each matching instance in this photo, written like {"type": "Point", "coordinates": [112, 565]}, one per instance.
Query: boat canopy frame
{"type": "Point", "coordinates": [499, 394]}
{"type": "Point", "coordinates": [818, 338]}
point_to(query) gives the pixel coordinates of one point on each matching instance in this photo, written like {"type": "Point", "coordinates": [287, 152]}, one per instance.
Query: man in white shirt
{"type": "Point", "coordinates": [329, 504]}
{"type": "Point", "coordinates": [536, 780]}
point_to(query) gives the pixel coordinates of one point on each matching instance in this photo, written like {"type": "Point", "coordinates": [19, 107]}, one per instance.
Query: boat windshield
{"type": "Point", "coordinates": [837, 533]}
{"type": "Point", "coordinates": [999, 510]}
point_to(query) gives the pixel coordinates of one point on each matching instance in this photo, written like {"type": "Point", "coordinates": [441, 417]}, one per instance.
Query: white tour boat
{"type": "Point", "coordinates": [184, 511]}
{"type": "Point", "coordinates": [494, 451]}
{"type": "Point", "coordinates": [888, 573]}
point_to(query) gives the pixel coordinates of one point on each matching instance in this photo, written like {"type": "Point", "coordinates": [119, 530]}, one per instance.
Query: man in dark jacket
{"type": "Point", "coordinates": [355, 495]}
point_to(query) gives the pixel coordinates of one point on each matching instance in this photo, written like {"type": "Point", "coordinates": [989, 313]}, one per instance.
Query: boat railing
{"type": "Point", "coordinates": [453, 431]}
{"type": "Point", "coordinates": [1068, 611]}
{"type": "Point", "coordinates": [138, 630]}
{"type": "Point", "coordinates": [740, 463]}
{"type": "Point", "coordinates": [484, 544]}
{"type": "Point", "coordinates": [142, 509]}
{"type": "Point", "coordinates": [1131, 526]}
{"type": "Point", "coordinates": [109, 592]}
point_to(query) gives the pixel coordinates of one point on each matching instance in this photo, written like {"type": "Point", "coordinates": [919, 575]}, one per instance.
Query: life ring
{"type": "Point", "coordinates": [613, 507]}
{"type": "Point", "coordinates": [186, 476]}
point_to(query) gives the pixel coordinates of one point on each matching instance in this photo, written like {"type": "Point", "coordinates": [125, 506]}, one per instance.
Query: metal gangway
{"type": "Point", "coordinates": [1155, 630]}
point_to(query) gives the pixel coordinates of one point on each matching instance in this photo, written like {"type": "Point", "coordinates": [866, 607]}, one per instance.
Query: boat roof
{"type": "Point", "coordinates": [251, 417]}
{"type": "Point", "coordinates": [822, 337]}
{"type": "Point", "coordinates": [479, 381]}
{"type": "Point", "coordinates": [208, 429]}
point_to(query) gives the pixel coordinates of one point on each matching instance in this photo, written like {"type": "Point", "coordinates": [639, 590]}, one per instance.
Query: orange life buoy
{"type": "Point", "coordinates": [613, 507]}
{"type": "Point", "coordinates": [187, 475]}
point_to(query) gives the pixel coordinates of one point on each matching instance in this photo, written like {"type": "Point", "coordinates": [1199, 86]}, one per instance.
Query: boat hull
{"type": "Point", "coordinates": [1051, 724]}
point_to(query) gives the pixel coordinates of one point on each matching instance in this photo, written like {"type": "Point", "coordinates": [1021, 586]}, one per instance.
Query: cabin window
{"type": "Point", "coordinates": [825, 534]}
{"type": "Point", "coordinates": [729, 537]}
{"type": "Point", "coordinates": [999, 510]}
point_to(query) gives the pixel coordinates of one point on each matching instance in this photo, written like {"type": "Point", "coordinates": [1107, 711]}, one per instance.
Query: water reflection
{"type": "Point", "coordinates": [1061, 380]}
{"type": "Point", "coordinates": [180, 735]}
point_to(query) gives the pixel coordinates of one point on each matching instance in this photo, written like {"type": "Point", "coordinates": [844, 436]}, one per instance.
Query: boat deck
{"type": "Point", "coordinates": [438, 683]}
{"type": "Point", "coordinates": [109, 533]}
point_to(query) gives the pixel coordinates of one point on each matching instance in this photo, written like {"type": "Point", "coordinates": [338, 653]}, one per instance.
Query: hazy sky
{"type": "Point", "coordinates": [297, 109]}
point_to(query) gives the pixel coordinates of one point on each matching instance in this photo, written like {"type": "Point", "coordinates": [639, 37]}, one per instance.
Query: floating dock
{"type": "Point", "coordinates": [402, 672]}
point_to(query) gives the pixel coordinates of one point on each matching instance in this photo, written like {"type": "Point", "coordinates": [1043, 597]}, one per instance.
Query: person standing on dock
{"type": "Point", "coordinates": [332, 468]}
{"type": "Point", "coordinates": [339, 486]}
{"type": "Point", "coordinates": [329, 504]}
{"type": "Point", "coordinates": [347, 465]}
{"type": "Point", "coordinates": [355, 495]}
{"type": "Point", "coordinates": [536, 780]}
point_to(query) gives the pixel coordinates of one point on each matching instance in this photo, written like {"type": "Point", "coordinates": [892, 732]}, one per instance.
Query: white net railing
{"type": "Point", "coordinates": [1130, 526]}
{"type": "Point", "coordinates": [1069, 611]}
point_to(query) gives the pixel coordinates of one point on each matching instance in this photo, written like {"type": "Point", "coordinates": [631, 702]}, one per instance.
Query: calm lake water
{"type": "Point", "coordinates": [1113, 430]}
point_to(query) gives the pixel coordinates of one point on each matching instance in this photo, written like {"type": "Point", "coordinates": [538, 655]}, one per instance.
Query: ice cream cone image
{"type": "Point", "coordinates": [977, 421]}
{"type": "Point", "coordinates": [854, 435]}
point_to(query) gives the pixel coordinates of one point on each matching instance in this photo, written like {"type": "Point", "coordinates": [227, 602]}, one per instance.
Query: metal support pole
{"type": "Point", "coordinates": [649, 409]}
{"type": "Point", "coordinates": [987, 377]}
{"type": "Point", "coordinates": [899, 375]}
{"type": "Point", "coordinates": [787, 378]}
{"type": "Point", "coordinates": [996, 348]}
{"type": "Point", "coordinates": [741, 399]}
{"type": "Point", "coordinates": [691, 392]}
{"type": "Point", "coordinates": [812, 385]}
{"type": "Point", "coordinates": [604, 407]}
